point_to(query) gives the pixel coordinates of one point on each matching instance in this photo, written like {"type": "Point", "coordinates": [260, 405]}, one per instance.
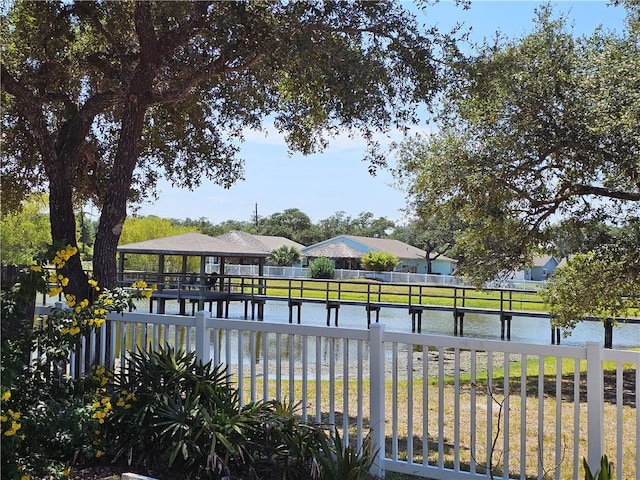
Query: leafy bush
{"type": "Point", "coordinates": [379, 261]}
{"type": "Point", "coordinates": [49, 421]}
{"type": "Point", "coordinates": [164, 409]}
{"type": "Point", "coordinates": [344, 461]}
{"type": "Point", "coordinates": [171, 412]}
{"type": "Point", "coordinates": [321, 267]}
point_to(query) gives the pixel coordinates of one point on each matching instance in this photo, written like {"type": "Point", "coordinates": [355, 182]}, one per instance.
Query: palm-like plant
{"type": "Point", "coordinates": [284, 256]}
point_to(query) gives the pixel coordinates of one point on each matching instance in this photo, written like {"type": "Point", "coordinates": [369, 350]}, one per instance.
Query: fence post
{"type": "Point", "coordinates": [595, 405]}
{"type": "Point", "coordinates": [203, 347]}
{"type": "Point", "coordinates": [377, 415]}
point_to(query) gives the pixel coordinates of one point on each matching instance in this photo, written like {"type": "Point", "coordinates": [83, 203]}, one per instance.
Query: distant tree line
{"type": "Point", "coordinates": [25, 234]}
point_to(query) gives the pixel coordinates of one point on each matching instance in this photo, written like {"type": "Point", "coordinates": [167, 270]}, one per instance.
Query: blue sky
{"type": "Point", "coordinates": [338, 179]}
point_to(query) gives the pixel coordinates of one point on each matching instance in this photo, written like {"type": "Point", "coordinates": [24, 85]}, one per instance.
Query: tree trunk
{"type": "Point", "coordinates": [63, 232]}
{"type": "Point", "coordinates": [114, 208]}
{"type": "Point", "coordinates": [429, 262]}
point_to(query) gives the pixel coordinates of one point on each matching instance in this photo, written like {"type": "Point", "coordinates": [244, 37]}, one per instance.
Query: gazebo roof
{"type": "Point", "coordinates": [193, 244]}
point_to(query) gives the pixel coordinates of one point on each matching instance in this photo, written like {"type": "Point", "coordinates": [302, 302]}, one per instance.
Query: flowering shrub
{"type": "Point", "coordinates": [49, 421]}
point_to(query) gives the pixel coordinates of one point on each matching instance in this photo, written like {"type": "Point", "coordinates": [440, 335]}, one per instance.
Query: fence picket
{"type": "Point", "coordinates": [469, 418]}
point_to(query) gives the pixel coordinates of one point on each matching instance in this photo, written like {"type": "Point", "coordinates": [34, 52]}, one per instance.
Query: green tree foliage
{"type": "Point", "coordinates": [25, 232]}
{"type": "Point", "coordinates": [603, 283]}
{"type": "Point", "coordinates": [590, 285]}
{"type": "Point", "coordinates": [139, 229]}
{"type": "Point", "coordinates": [436, 235]}
{"type": "Point", "coordinates": [284, 256]}
{"type": "Point", "coordinates": [291, 223]}
{"type": "Point", "coordinates": [364, 225]}
{"type": "Point", "coordinates": [321, 267]}
{"type": "Point", "coordinates": [101, 99]}
{"type": "Point", "coordinates": [535, 130]}
{"type": "Point", "coordinates": [379, 261]}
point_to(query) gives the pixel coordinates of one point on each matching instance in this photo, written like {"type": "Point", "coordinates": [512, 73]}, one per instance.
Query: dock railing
{"type": "Point", "coordinates": [434, 406]}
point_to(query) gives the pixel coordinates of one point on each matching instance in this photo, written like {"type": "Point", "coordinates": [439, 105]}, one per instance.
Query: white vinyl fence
{"type": "Point", "coordinates": [390, 277]}
{"type": "Point", "coordinates": [435, 406]}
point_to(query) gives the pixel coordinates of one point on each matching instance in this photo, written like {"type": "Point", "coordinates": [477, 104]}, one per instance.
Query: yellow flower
{"type": "Point", "coordinates": [53, 279]}
{"type": "Point", "coordinates": [6, 395]}
{"type": "Point", "coordinates": [28, 477]}
{"type": "Point", "coordinates": [55, 291]}
{"type": "Point", "coordinates": [14, 415]}
{"type": "Point", "coordinates": [64, 281]}
{"type": "Point", "coordinates": [99, 453]}
{"type": "Point", "coordinates": [3, 418]}
{"type": "Point", "coordinates": [147, 293]}
{"type": "Point", "coordinates": [74, 330]}
{"type": "Point", "coordinates": [9, 433]}
{"type": "Point", "coordinates": [64, 330]}
{"type": "Point", "coordinates": [36, 268]}
{"type": "Point", "coordinates": [95, 404]}
{"type": "Point", "coordinates": [120, 402]}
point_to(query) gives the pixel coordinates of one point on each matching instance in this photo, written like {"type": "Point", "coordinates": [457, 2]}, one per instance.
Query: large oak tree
{"type": "Point", "coordinates": [100, 99]}
{"type": "Point", "coordinates": [534, 130]}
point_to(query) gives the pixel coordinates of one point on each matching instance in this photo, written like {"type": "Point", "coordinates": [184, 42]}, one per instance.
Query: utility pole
{"type": "Point", "coordinates": [256, 217]}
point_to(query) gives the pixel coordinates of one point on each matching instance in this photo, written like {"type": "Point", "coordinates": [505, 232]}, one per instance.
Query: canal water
{"type": "Point", "coordinates": [523, 329]}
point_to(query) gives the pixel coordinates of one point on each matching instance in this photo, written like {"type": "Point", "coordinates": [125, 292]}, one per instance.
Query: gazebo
{"type": "Point", "coordinates": [185, 246]}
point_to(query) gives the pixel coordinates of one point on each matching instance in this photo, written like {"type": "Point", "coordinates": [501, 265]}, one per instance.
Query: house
{"type": "Point", "coordinates": [347, 250]}
{"type": "Point", "coordinates": [542, 267]}
{"type": "Point", "coordinates": [266, 243]}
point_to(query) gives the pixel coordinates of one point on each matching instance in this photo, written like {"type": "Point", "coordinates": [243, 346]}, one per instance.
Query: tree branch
{"type": "Point", "coordinates": [218, 68]}
{"type": "Point", "coordinates": [30, 108]}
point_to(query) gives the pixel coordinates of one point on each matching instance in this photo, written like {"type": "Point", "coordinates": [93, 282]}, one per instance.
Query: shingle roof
{"type": "Point", "coordinates": [333, 250]}
{"type": "Point", "coordinates": [267, 243]}
{"type": "Point", "coordinates": [400, 249]}
{"type": "Point", "coordinates": [390, 245]}
{"type": "Point", "coordinates": [274, 242]}
{"type": "Point", "coordinates": [193, 244]}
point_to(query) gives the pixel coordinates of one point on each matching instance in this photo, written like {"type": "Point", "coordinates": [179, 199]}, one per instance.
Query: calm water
{"type": "Point", "coordinates": [525, 330]}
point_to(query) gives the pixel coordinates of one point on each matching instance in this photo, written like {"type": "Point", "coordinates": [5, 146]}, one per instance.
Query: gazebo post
{"type": "Point", "coordinates": [161, 301]}
{"type": "Point", "coordinates": [120, 277]}
{"type": "Point", "coordinates": [202, 281]}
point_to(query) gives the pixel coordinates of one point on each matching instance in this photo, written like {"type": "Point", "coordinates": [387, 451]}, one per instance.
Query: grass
{"type": "Point", "coordinates": [452, 413]}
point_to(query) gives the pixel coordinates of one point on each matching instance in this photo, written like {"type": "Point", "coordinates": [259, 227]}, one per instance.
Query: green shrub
{"type": "Point", "coordinates": [345, 461]}
{"type": "Point", "coordinates": [50, 422]}
{"type": "Point", "coordinates": [321, 267]}
{"type": "Point", "coordinates": [172, 411]}
{"type": "Point", "coordinates": [605, 472]}
{"type": "Point", "coordinates": [379, 261]}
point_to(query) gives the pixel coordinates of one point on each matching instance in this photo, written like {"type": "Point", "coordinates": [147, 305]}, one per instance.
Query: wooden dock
{"type": "Point", "coordinates": [416, 299]}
